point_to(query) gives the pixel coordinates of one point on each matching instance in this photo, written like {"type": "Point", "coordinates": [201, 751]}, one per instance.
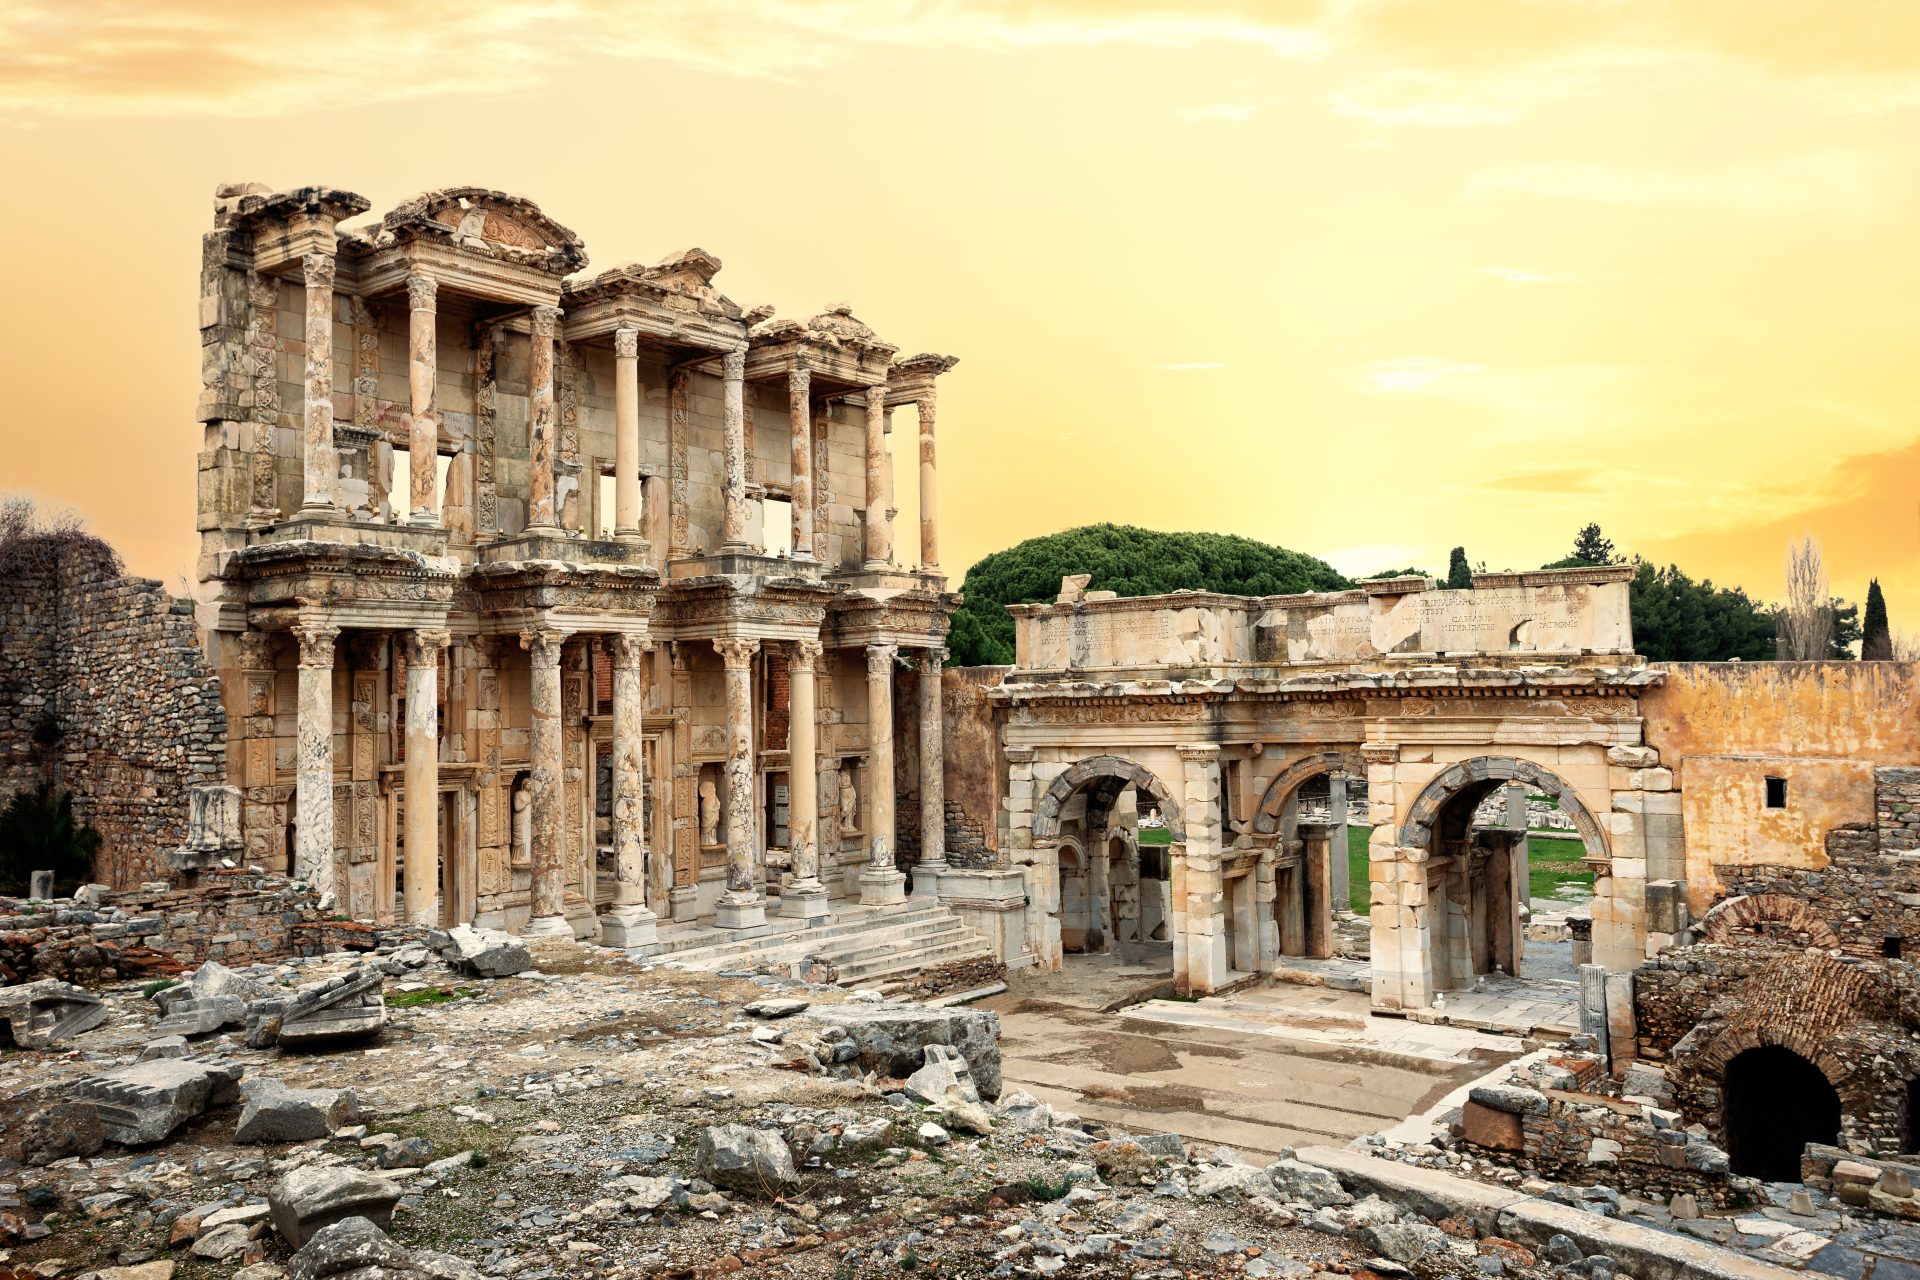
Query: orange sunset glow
{"type": "Point", "coordinates": [1365, 278]}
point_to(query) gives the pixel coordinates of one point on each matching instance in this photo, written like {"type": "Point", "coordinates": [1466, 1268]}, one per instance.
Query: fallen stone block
{"type": "Point", "coordinates": [892, 1039]}
{"type": "Point", "coordinates": [274, 1113]}
{"type": "Point", "coordinates": [340, 1011]}
{"type": "Point", "coordinates": [61, 1130]}
{"type": "Point", "coordinates": [201, 1016]}
{"type": "Point", "coordinates": [357, 1249]}
{"type": "Point", "coordinates": [1492, 1128]}
{"type": "Point", "coordinates": [774, 1008]}
{"type": "Point", "coordinates": [740, 1158]}
{"type": "Point", "coordinates": [486, 953]}
{"type": "Point", "coordinates": [38, 1014]}
{"type": "Point", "coordinates": [164, 1047]}
{"type": "Point", "coordinates": [144, 1103]}
{"type": "Point", "coordinates": [308, 1200]}
{"type": "Point", "coordinates": [1316, 1188]}
{"type": "Point", "coordinates": [210, 980]}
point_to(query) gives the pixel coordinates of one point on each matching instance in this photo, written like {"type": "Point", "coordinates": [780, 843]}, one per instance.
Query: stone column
{"type": "Point", "coordinates": [320, 479]}
{"type": "Point", "coordinates": [742, 906]}
{"type": "Point", "coordinates": [1205, 889]}
{"type": "Point", "coordinates": [626, 434]}
{"type": "Point", "coordinates": [933, 798]}
{"type": "Point", "coordinates": [881, 884]}
{"type": "Point", "coordinates": [423, 422]}
{"type": "Point", "coordinates": [630, 923]}
{"type": "Point", "coordinates": [806, 897]}
{"type": "Point", "coordinates": [543, 646]}
{"type": "Point", "coordinates": [422, 776]}
{"type": "Point", "coordinates": [1339, 874]}
{"type": "Point", "coordinates": [733, 414]}
{"type": "Point", "coordinates": [313, 859]}
{"type": "Point", "coordinates": [542, 447]}
{"type": "Point", "coordinates": [879, 530]}
{"type": "Point", "coordinates": [929, 501]}
{"type": "Point", "coordinates": [800, 423]}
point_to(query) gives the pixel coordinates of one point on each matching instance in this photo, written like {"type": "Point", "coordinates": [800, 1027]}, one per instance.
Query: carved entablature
{"type": "Point", "coordinates": [286, 226]}
{"type": "Point", "coordinates": [487, 222]}
{"type": "Point", "coordinates": [915, 619]}
{"type": "Point", "coordinates": [910, 381]}
{"type": "Point", "coordinates": [840, 352]}
{"type": "Point", "coordinates": [719, 606]}
{"type": "Point", "coordinates": [599, 597]}
{"type": "Point", "coordinates": [357, 585]}
{"type": "Point", "coordinates": [673, 304]}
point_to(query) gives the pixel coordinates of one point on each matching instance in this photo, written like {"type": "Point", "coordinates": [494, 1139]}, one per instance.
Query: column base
{"type": "Point", "coordinates": [683, 902]}
{"type": "Point", "coordinates": [428, 915]}
{"type": "Point", "coordinates": [748, 911]}
{"type": "Point", "coordinates": [547, 927]}
{"type": "Point", "coordinates": [926, 881]}
{"type": "Point", "coordinates": [804, 902]}
{"type": "Point", "coordinates": [629, 927]}
{"type": "Point", "coordinates": [882, 887]}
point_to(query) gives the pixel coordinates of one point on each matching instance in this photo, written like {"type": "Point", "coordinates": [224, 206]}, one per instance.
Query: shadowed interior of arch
{"type": "Point", "coordinates": [1774, 1103]}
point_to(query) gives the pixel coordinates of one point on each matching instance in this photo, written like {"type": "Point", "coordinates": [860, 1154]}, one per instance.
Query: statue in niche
{"type": "Point", "coordinates": [849, 803]}
{"type": "Point", "coordinates": [709, 812]}
{"type": "Point", "coordinates": [523, 822]}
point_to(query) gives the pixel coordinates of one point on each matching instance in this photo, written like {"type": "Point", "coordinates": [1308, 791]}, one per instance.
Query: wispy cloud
{"type": "Point", "coordinates": [1824, 182]}
{"type": "Point", "coordinates": [1218, 113]}
{"type": "Point", "coordinates": [1412, 374]}
{"type": "Point", "coordinates": [1194, 364]}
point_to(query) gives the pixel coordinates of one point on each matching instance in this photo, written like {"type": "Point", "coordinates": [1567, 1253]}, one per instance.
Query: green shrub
{"type": "Point", "coordinates": [38, 832]}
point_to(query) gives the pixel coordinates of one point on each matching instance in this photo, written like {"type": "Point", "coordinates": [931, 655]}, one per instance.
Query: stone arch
{"type": "Point", "coordinates": [1727, 920]}
{"type": "Point", "coordinates": [1484, 772]}
{"type": "Point", "coordinates": [1266, 818]}
{"type": "Point", "coordinates": [1118, 773]}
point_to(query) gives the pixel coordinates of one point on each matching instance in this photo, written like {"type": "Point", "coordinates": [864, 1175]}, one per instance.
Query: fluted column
{"type": "Point", "coordinates": [320, 478]}
{"type": "Point", "coordinates": [313, 857]}
{"type": "Point", "coordinates": [879, 528]}
{"type": "Point", "coordinates": [933, 797]}
{"type": "Point", "coordinates": [800, 420]}
{"type": "Point", "coordinates": [881, 884]}
{"type": "Point", "coordinates": [742, 905]}
{"type": "Point", "coordinates": [543, 646]}
{"type": "Point", "coordinates": [626, 434]}
{"type": "Point", "coordinates": [929, 499]}
{"type": "Point", "coordinates": [422, 776]}
{"type": "Point", "coordinates": [423, 429]}
{"type": "Point", "coordinates": [541, 425]}
{"type": "Point", "coordinates": [733, 416]}
{"type": "Point", "coordinates": [806, 897]}
{"type": "Point", "coordinates": [630, 923]}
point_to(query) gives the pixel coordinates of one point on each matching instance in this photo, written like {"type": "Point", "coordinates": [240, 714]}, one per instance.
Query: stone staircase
{"type": "Point", "coordinates": [855, 947]}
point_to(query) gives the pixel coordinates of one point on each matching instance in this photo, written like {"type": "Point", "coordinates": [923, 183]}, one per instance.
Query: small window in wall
{"type": "Point", "coordinates": [1776, 793]}
{"type": "Point", "coordinates": [604, 502]}
{"type": "Point", "coordinates": [1890, 948]}
{"type": "Point", "coordinates": [776, 525]}
{"type": "Point", "coordinates": [400, 495]}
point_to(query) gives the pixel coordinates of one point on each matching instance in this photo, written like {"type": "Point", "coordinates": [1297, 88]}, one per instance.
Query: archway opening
{"type": "Point", "coordinates": [1317, 809]}
{"type": "Point", "coordinates": [1776, 1102]}
{"type": "Point", "coordinates": [1476, 888]}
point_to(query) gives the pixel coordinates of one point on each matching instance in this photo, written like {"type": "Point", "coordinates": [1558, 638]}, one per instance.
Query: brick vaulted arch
{"type": "Point", "coordinates": [1118, 773]}
{"type": "Point", "coordinates": [1266, 818]}
{"type": "Point", "coordinates": [1750, 913]}
{"type": "Point", "coordinates": [1482, 772]}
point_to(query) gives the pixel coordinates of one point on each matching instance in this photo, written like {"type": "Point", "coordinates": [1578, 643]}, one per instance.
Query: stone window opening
{"type": "Point", "coordinates": [776, 524]}
{"type": "Point", "coordinates": [1775, 1103]}
{"type": "Point", "coordinates": [1890, 947]}
{"type": "Point", "coordinates": [399, 501]}
{"type": "Point", "coordinates": [1776, 793]}
{"type": "Point", "coordinates": [604, 505]}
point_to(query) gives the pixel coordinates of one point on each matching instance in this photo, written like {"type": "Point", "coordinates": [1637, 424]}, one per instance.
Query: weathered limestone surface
{"type": "Point", "coordinates": [144, 1103]}
{"type": "Point", "coordinates": [39, 1014]}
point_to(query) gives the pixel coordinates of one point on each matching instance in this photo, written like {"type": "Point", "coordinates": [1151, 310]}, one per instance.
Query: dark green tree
{"type": "Point", "coordinates": [1590, 547]}
{"type": "Point", "coordinates": [1459, 572]}
{"type": "Point", "coordinates": [1122, 558]}
{"type": "Point", "coordinates": [38, 832]}
{"type": "Point", "coordinates": [1676, 619]}
{"type": "Point", "coordinates": [1876, 640]}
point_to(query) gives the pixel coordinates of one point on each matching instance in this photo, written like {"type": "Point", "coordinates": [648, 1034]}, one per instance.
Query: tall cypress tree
{"type": "Point", "coordinates": [1459, 573]}
{"type": "Point", "coordinates": [1876, 641]}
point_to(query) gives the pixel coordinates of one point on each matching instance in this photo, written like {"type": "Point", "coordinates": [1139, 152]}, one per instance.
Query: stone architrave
{"type": "Point", "coordinates": [929, 500]}
{"type": "Point", "coordinates": [422, 775]}
{"type": "Point", "coordinates": [320, 482]}
{"type": "Point", "coordinates": [881, 884]}
{"type": "Point", "coordinates": [629, 923]}
{"type": "Point", "coordinates": [313, 854]}
{"type": "Point", "coordinates": [879, 532]}
{"type": "Point", "coordinates": [39, 1014]}
{"type": "Point", "coordinates": [733, 415]}
{"type": "Point", "coordinates": [800, 423]}
{"type": "Point", "coordinates": [542, 516]}
{"type": "Point", "coordinates": [543, 646]}
{"type": "Point", "coordinates": [423, 418]}
{"type": "Point", "coordinates": [933, 801]}
{"type": "Point", "coordinates": [806, 897]}
{"type": "Point", "coordinates": [742, 905]}
{"type": "Point", "coordinates": [626, 434]}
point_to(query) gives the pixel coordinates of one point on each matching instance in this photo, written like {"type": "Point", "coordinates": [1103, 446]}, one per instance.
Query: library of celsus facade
{"type": "Point", "coordinates": [556, 601]}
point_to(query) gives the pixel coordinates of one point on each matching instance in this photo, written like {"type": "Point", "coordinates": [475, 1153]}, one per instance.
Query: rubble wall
{"type": "Point", "coordinates": [116, 663]}
{"type": "Point", "coordinates": [976, 766]}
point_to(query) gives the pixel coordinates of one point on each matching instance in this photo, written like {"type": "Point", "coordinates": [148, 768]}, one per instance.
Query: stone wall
{"type": "Point", "coordinates": [976, 767]}
{"type": "Point", "coordinates": [113, 663]}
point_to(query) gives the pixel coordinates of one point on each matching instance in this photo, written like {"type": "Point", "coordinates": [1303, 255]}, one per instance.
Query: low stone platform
{"type": "Point", "coordinates": [856, 946]}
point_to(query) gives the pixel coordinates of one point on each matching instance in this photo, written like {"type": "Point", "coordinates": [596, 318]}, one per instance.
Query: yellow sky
{"type": "Point", "coordinates": [1367, 278]}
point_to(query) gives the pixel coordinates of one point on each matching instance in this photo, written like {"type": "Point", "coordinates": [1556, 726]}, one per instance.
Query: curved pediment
{"type": "Point", "coordinates": [491, 222]}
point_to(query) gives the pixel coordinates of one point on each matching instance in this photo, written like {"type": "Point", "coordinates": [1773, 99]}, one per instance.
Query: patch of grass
{"type": "Point", "coordinates": [1046, 1190]}
{"type": "Point", "coordinates": [1552, 863]}
{"type": "Point", "coordinates": [154, 988]}
{"type": "Point", "coordinates": [432, 995]}
{"type": "Point", "coordinates": [1155, 835]}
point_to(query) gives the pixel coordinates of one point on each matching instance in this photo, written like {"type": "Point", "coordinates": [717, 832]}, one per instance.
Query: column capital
{"type": "Point", "coordinates": [627, 649]}
{"type": "Point", "coordinates": [425, 646]}
{"type": "Point", "coordinates": [933, 659]}
{"type": "Point", "coordinates": [799, 379]}
{"type": "Point", "coordinates": [806, 655]}
{"type": "Point", "coordinates": [1198, 752]}
{"type": "Point", "coordinates": [733, 365]}
{"type": "Point", "coordinates": [544, 644]}
{"type": "Point", "coordinates": [422, 290]}
{"type": "Point", "coordinates": [543, 320]}
{"type": "Point", "coordinates": [924, 406]}
{"type": "Point", "coordinates": [316, 643]}
{"type": "Point", "coordinates": [317, 270]}
{"type": "Point", "coordinates": [880, 658]}
{"type": "Point", "coordinates": [736, 654]}
{"type": "Point", "coordinates": [877, 398]}
{"type": "Point", "coordinates": [626, 342]}
{"type": "Point", "coordinates": [1380, 752]}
